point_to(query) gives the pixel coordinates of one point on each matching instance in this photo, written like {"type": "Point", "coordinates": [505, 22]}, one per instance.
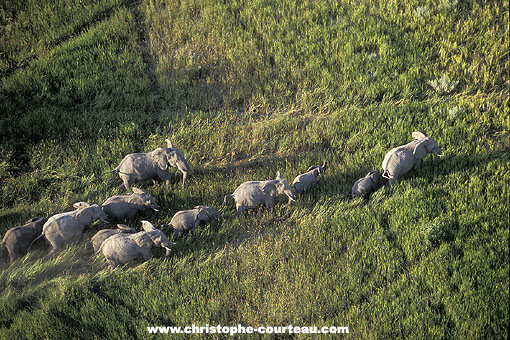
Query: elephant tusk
{"type": "Point", "coordinates": [440, 155]}
{"type": "Point", "coordinates": [156, 210]}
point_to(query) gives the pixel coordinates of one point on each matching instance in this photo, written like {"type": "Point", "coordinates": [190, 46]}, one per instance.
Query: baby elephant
{"type": "Point", "coordinates": [250, 195]}
{"type": "Point", "coordinates": [125, 207]}
{"type": "Point", "coordinates": [402, 159]}
{"type": "Point", "coordinates": [98, 239]}
{"type": "Point", "coordinates": [307, 180]}
{"type": "Point", "coordinates": [365, 186]}
{"type": "Point", "coordinates": [123, 248]}
{"type": "Point", "coordinates": [17, 240]}
{"type": "Point", "coordinates": [139, 167]}
{"type": "Point", "coordinates": [68, 226]}
{"type": "Point", "coordinates": [186, 220]}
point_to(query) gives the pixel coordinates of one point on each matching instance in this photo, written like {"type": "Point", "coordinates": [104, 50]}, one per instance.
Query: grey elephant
{"type": "Point", "coordinates": [250, 195]}
{"type": "Point", "coordinates": [402, 159]}
{"type": "Point", "coordinates": [307, 180]}
{"type": "Point", "coordinates": [98, 239]}
{"type": "Point", "coordinates": [123, 248]}
{"type": "Point", "coordinates": [17, 240]}
{"type": "Point", "coordinates": [69, 226]}
{"type": "Point", "coordinates": [139, 167]}
{"type": "Point", "coordinates": [125, 207]}
{"type": "Point", "coordinates": [186, 220]}
{"type": "Point", "coordinates": [365, 186]}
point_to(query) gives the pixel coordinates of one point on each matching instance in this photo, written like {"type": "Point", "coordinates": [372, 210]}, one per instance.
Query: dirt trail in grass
{"type": "Point", "coordinates": [150, 66]}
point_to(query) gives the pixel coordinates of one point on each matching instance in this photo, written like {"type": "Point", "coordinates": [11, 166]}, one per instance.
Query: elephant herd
{"type": "Point", "coordinates": [124, 244]}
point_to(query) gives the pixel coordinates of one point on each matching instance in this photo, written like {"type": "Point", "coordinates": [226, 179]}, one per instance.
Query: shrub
{"type": "Point", "coordinates": [443, 84]}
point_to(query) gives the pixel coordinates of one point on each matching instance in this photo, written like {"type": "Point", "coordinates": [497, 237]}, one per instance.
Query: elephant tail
{"type": "Point", "coordinates": [110, 172]}
{"type": "Point", "coordinates": [386, 174]}
{"type": "Point", "coordinates": [227, 196]}
{"type": "Point", "coordinates": [114, 170]}
{"type": "Point", "coordinates": [38, 237]}
{"type": "Point", "coordinates": [99, 250]}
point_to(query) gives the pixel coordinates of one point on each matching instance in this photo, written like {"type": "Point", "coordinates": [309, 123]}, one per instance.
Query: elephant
{"type": "Point", "coordinates": [402, 159]}
{"type": "Point", "coordinates": [125, 207]}
{"type": "Point", "coordinates": [68, 226]}
{"type": "Point", "coordinates": [123, 248]}
{"type": "Point", "coordinates": [98, 239]}
{"type": "Point", "coordinates": [305, 181]}
{"type": "Point", "coordinates": [139, 167]}
{"type": "Point", "coordinates": [186, 220]}
{"type": "Point", "coordinates": [17, 240]}
{"type": "Point", "coordinates": [365, 186]}
{"type": "Point", "coordinates": [250, 195]}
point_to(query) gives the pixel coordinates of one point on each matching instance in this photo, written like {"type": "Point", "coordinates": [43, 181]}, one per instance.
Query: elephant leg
{"type": "Point", "coordinates": [270, 202]}
{"type": "Point", "coordinates": [112, 264]}
{"type": "Point", "coordinates": [126, 182]}
{"type": "Point", "coordinates": [417, 164]}
{"type": "Point", "coordinates": [392, 180]}
{"type": "Point", "coordinates": [196, 224]}
{"type": "Point", "coordinates": [50, 254]}
{"type": "Point", "coordinates": [12, 257]}
{"type": "Point", "coordinates": [240, 209]}
{"type": "Point", "coordinates": [120, 187]}
{"type": "Point", "coordinates": [76, 237]}
{"type": "Point", "coordinates": [164, 176]}
{"type": "Point", "coordinates": [176, 235]}
{"type": "Point", "coordinates": [147, 254]}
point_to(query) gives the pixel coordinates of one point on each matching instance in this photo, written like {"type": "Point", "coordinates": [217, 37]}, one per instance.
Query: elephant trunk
{"type": "Point", "coordinates": [437, 154]}
{"type": "Point", "coordinates": [168, 247]}
{"type": "Point", "coordinates": [183, 166]}
{"type": "Point", "coordinates": [184, 177]}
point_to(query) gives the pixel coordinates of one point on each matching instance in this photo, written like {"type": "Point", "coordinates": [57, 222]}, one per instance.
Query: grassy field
{"type": "Point", "coordinates": [245, 89]}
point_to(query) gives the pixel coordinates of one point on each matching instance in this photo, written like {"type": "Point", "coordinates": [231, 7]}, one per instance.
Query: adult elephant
{"type": "Point", "coordinates": [139, 167]}
{"type": "Point", "coordinates": [402, 159]}
{"type": "Point", "coordinates": [68, 227]}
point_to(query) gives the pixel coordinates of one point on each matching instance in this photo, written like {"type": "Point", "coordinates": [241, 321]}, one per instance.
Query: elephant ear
{"type": "Point", "coordinates": [144, 240]}
{"type": "Point", "coordinates": [418, 135]}
{"type": "Point", "coordinates": [269, 188]}
{"type": "Point", "coordinates": [138, 191]}
{"type": "Point", "coordinates": [160, 157]}
{"type": "Point", "coordinates": [147, 226]}
{"type": "Point", "coordinates": [202, 215]}
{"type": "Point", "coordinates": [123, 227]}
{"type": "Point", "coordinates": [419, 150]}
{"type": "Point", "coordinates": [84, 216]}
{"type": "Point", "coordinates": [81, 205]}
{"type": "Point", "coordinates": [374, 176]}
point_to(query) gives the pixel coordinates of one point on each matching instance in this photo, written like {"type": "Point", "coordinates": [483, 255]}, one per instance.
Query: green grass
{"type": "Point", "coordinates": [246, 89]}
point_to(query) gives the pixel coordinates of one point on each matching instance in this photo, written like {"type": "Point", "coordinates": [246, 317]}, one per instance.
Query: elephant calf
{"type": "Point", "coordinates": [250, 195]}
{"type": "Point", "coordinates": [125, 207]}
{"type": "Point", "coordinates": [98, 239]}
{"type": "Point", "coordinates": [68, 226]}
{"type": "Point", "coordinates": [139, 167]}
{"type": "Point", "coordinates": [307, 180]}
{"type": "Point", "coordinates": [185, 220]}
{"type": "Point", "coordinates": [402, 159]}
{"type": "Point", "coordinates": [365, 186]}
{"type": "Point", "coordinates": [123, 248]}
{"type": "Point", "coordinates": [17, 240]}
